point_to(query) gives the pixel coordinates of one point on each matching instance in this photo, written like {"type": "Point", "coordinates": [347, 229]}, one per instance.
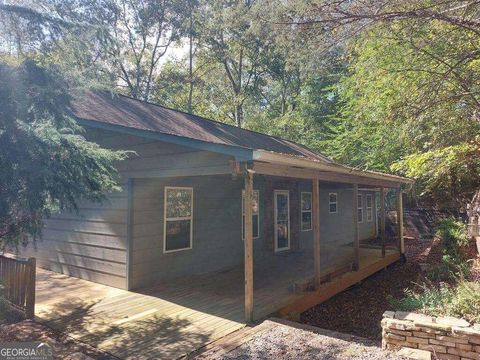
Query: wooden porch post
{"type": "Point", "coordinates": [400, 220]}
{"type": "Point", "coordinates": [248, 243]}
{"type": "Point", "coordinates": [356, 241]}
{"type": "Point", "coordinates": [316, 229]}
{"type": "Point", "coordinates": [382, 219]}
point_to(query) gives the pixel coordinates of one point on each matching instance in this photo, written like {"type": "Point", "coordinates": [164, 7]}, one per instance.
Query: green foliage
{"type": "Point", "coordinates": [453, 234]}
{"type": "Point", "coordinates": [461, 300]}
{"type": "Point", "coordinates": [47, 165]}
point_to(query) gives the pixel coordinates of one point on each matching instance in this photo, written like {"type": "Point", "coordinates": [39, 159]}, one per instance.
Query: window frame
{"type": "Point", "coordinates": [333, 202]}
{"type": "Point", "coordinates": [360, 207]}
{"type": "Point", "coordinates": [367, 196]}
{"type": "Point", "coordinates": [306, 211]}
{"type": "Point", "coordinates": [243, 215]}
{"type": "Point", "coordinates": [275, 215]}
{"type": "Point", "coordinates": [165, 219]}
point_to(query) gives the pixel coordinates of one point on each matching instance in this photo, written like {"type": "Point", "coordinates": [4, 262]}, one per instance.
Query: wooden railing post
{"type": "Point", "coordinates": [356, 241]}
{"type": "Point", "coordinates": [31, 271]}
{"type": "Point", "coordinates": [400, 220]}
{"type": "Point", "coordinates": [316, 230]}
{"type": "Point", "coordinates": [382, 220]}
{"type": "Point", "coordinates": [248, 243]}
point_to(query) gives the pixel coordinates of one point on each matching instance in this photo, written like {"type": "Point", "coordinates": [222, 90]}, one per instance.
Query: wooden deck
{"type": "Point", "coordinates": [173, 319]}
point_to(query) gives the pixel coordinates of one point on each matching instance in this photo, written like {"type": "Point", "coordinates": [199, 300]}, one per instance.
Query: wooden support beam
{"type": "Point", "coordinates": [382, 219]}
{"type": "Point", "coordinates": [356, 239]}
{"type": "Point", "coordinates": [316, 230]}
{"type": "Point", "coordinates": [248, 243]}
{"type": "Point", "coordinates": [400, 221]}
{"type": "Point", "coordinates": [304, 173]}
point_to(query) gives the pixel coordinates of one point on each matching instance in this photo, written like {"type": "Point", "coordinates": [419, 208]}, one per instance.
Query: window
{"type": "Point", "coordinates": [360, 208]}
{"type": "Point", "coordinates": [178, 219]}
{"type": "Point", "coordinates": [306, 210]}
{"type": "Point", "coordinates": [332, 203]}
{"type": "Point", "coordinates": [369, 205]}
{"type": "Point", "coordinates": [255, 214]}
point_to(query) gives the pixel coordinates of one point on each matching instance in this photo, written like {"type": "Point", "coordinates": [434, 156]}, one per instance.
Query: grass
{"type": "Point", "coordinates": [446, 289]}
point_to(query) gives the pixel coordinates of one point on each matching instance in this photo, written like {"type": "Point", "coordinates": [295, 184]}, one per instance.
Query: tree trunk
{"type": "Point", "coordinates": [190, 66]}
{"type": "Point", "coordinates": [239, 115]}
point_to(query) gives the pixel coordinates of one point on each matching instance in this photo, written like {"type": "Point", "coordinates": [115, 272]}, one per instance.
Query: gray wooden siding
{"type": "Point", "coordinates": [93, 243]}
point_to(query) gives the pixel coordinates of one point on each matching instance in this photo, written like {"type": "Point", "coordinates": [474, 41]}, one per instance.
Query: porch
{"type": "Point", "coordinates": [174, 318]}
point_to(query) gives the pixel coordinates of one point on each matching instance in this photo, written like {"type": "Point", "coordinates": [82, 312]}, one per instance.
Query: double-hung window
{"type": "Point", "coordinates": [332, 203]}
{"type": "Point", "coordinates": [306, 211]}
{"type": "Point", "coordinates": [360, 208]}
{"type": "Point", "coordinates": [369, 207]}
{"type": "Point", "coordinates": [178, 224]}
{"type": "Point", "coordinates": [255, 214]}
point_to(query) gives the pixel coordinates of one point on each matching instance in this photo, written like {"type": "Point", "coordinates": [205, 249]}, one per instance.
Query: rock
{"type": "Point", "coordinates": [405, 315]}
{"type": "Point", "coordinates": [452, 321]}
{"type": "Point", "coordinates": [389, 314]}
{"type": "Point", "coordinates": [415, 354]}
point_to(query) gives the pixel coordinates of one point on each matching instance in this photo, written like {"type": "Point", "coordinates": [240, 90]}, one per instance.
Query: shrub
{"type": "Point", "coordinates": [461, 300]}
{"type": "Point", "coordinates": [453, 234]}
{"type": "Point", "coordinates": [426, 298]}
{"type": "Point", "coordinates": [450, 268]}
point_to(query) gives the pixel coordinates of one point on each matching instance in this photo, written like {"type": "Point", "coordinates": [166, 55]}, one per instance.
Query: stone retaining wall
{"type": "Point", "coordinates": [445, 337]}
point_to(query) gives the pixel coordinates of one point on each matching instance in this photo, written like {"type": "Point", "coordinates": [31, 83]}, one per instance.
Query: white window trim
{"type": "Point", "coordinates": [333, 202]}
{"type": "Point", "coordinates": [258, 214]}
{"type": "Point", "coordinates": [367, 196]}
{"type": "Point", "coordinates": [165, 251]}
{"type": "Point", "coordinates": [360, 207]}
{"type": "Point", "coordinates": [275, 192]}
{"type": "Point", "coordinates": [306, 211]}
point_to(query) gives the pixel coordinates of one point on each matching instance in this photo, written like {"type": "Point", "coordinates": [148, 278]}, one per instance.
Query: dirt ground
{"type": "Point", "coordinates": [359, 309]}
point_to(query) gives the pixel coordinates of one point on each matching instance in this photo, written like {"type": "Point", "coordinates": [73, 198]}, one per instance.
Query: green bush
{"type": "Point", "coordinates": [450, 268]}
{"type": "Point", "coordinates": [425, 298]}
{"type": "Point", "coordinates": [453, 234]}
{"type": "Point", "coordinates": [461, 300]}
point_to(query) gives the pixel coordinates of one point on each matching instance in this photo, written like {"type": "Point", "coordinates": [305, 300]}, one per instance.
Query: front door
{"type": "Point", "coordinates": [282, 220]}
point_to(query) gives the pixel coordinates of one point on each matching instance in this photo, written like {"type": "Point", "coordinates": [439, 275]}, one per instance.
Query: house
{"type": "Point", "coordinates": [203, 197]}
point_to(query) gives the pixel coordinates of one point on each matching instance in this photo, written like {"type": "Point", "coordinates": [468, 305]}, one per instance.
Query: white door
{"type": "Point", "coordinates": [282, 220]}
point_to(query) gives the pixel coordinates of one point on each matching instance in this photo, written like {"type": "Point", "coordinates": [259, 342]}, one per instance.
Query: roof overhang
{"type": "Point", "coordinates": [319, 168]}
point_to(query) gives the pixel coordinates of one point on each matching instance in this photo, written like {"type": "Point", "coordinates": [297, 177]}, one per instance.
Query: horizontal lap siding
{"type": "Point", "coordinates": [93, 243]}
{"type": "Point", "coordinates": [90, 244]}
{"type": "Point", "coordinates": [216, 241]}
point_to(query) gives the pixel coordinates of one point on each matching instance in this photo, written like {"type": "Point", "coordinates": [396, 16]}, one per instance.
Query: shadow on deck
{"type": "Point", "coordinates": [174, 318]}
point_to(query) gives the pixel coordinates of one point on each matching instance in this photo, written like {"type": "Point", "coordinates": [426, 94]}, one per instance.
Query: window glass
{"type": "Point", "coordinates": [178, 218]}
{"type": "Point", "coordinates": [360, 208]}
{"type": "Point", "coordinates": [369, 204]}
{"type": "Point", "coordinates": [306, 211]}
{"type": "Point", "coordinates": [332, 203]}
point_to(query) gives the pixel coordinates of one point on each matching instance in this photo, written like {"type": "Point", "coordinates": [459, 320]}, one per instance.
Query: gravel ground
{"type": "Point", "coordinates": [291, 342]}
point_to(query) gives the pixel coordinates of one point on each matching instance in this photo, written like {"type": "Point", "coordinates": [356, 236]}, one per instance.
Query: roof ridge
{"type": "Point", "coordinates": [217, 122]}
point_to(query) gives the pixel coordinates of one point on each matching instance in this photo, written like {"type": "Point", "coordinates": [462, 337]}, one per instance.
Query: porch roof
{"type": "Point", "coordinates": [124, 114]}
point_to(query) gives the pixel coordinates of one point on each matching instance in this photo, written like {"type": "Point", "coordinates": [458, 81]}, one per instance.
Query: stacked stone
{"type": "Point", "coordinates": [446, 337]}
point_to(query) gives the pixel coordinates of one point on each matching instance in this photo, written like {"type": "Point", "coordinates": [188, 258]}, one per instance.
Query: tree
{"type": "Point", "coordinates": [47, 165]}
{"type": "Point", "coordinates": [123, 39]}
{"type": "Point", "coordinates": [235, 48]}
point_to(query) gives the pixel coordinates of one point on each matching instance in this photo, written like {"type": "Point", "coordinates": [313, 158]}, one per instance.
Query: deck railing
{"type": "Point", "coordinates": [17, 276]}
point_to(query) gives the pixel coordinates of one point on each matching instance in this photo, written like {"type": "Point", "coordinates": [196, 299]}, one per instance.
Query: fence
{"type": "Point", "coordinates": [17, 276]}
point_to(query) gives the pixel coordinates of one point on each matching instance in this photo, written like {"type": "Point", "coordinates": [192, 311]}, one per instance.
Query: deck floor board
{"type": "Point", "coordinates": [173, 318]}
